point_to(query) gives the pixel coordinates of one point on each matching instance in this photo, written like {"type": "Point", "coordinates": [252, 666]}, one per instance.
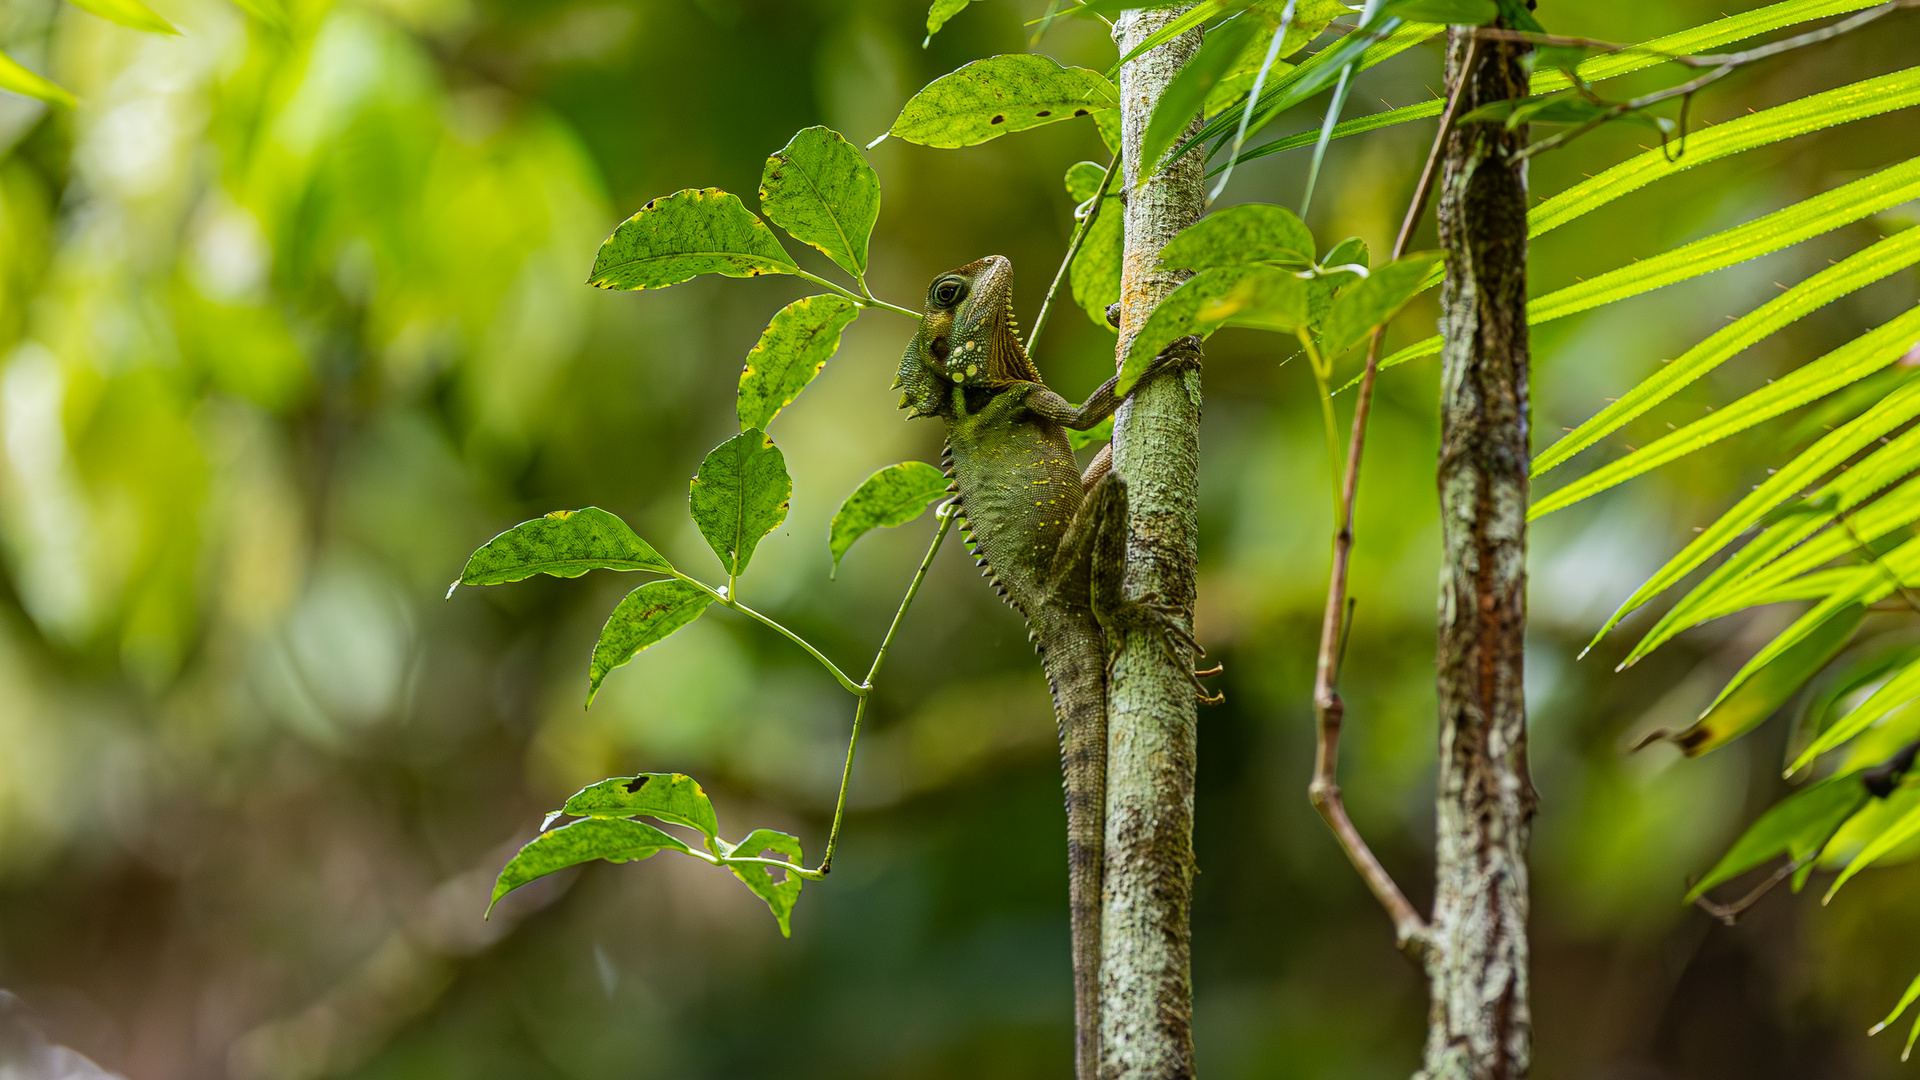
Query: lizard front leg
{"type": "Point", "coordinates": [1102, 402]}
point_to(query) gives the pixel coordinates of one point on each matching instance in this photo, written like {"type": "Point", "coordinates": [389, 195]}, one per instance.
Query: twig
{"type": "Point", "coordinates": [946, 515]}
{"type": "Point", "coordinates": [1730, 913]}
{"type": "Point", "coordinates": [1073, 248]}
{"type": "Point", "coordinates": [1410, 929]}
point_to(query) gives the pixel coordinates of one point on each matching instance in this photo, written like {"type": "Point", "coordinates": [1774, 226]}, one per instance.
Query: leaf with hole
{"type": "Point", "coordinates": [793, 348]}
{"type": "Point", "coordinates": [690, 232]}
{"type": "Point", "coordinates": [822, 191]}
{"type": "Point", "coordinates": [670, 797]}
{"type": "Point", "coordinates": [613, 839]}
{"type": "Point", "coordinates": [566, 544]}
{"type": "Point", "coordinates": [988, 98]}
{"type": "Point", "coordinates": [892, 496]}
{"type": "Point", "coordinates": [647, 616]}
{"type": "Point", "coordinates": [739, 496]}
{"type": "Point", "coordinates": [779, 893]}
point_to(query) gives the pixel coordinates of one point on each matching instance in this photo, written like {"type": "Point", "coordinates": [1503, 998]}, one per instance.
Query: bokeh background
{"type": "Point", "coordinates": [292, 318]}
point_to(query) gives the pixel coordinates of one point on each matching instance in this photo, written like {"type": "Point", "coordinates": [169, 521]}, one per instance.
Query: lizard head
{"type": "Point", "coordinates": [967, 336]}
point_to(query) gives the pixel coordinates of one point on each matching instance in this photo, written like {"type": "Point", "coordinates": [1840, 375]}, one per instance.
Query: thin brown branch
{"type": "Point", "coordinates": [1730, 913]}
{"type": "Point", "coordinates": [1085, 226]}
{"type": "Point", "coordinates": [1410, 929]}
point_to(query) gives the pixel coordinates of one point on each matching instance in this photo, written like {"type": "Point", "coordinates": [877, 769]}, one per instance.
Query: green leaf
{"type": "Point", "coordinates": [128, 13]}
{"type": "Point", "coordinates": [1349, 252]}
{"type": "Point", "coordinates": [612, 839]}
{"type": "Point", "coordinates": [690, 232]}
{"type": "Point", "coordinates": [1869, 97]}
{"type": "Point", "coordinates": [1095, 274]}
{"type": "Point", "coordinates": [1239, 235]}
{"type": "Point", "coordinates": [1906, 999]}
{"type": "Point", "coordinates": [1686, 43]}
{"type": "Point", "coordinates": [18, 79]}
{"type": "Point", "coordinates": [739, 496]}
{"type": "Point", "coordinates": [673, 797]}
{"type": "Point", "coordinates": [1183, 97]}
{"type": "Point", "coordinates": [793, 348]}
{"type": "Point", "coordinates": [1835, 448]}
{"type": "Point", "coordinates": [1857, 359]}
{"type": "Point", "coordinates": [1887, 257]}
{"type": "Point", "coordinates": [1797, 827]}
{"type": "Point", "coordinates": [939, 13]}
{"type": "Point", "coordinates": [1310, 17]}
{"type": "Point", "coordinates": [892, 496]}
{"type": "Point", "coordinates": [822, 191]}
{"type": "Point", "coordinates": [1101, 432]}
{"type": "Point", "coordinates": [565, 543]}
{"type": "Point", "coordinates": [779, 894]}
{"type": "Point", "coordinates": [1895, 693]}
{"type": "Point", "coordinates": [1783, 228]}
{"type": "Point", "coordinates": [1375, 301]}
{"type": "Point", "coordinates": [1255, 296]}
{"type": "Point", "coordinates": [1900, 830]}
{"type": "Point", "coordinates": [988, 98]}
{"type": "Point", "coordinates": [1450, 12]}
{"type": "Point", "coordinates": [645, 617]}
{"type": "Point", "coordinates": [1767, 681]}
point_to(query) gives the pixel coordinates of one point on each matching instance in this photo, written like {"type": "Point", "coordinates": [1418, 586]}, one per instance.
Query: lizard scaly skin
{"type": "Point", "coordinates": [1052, 540]}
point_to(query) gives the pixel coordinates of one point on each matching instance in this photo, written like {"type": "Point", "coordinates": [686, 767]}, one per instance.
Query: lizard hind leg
{"type": "Point", "coordinates": [1118, 613]}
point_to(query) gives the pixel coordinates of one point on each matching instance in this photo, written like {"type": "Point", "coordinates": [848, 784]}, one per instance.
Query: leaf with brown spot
{"type": "Point", "coordinates": [690, 232]}
{"type": "Point", "coordinates": [990, 97]}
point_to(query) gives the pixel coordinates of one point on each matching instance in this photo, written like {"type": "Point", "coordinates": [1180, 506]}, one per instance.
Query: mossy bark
{"type": "Point", "coordinates": [1480, 1026]}
{"type": "Point", "coordinates": [1146, 983]}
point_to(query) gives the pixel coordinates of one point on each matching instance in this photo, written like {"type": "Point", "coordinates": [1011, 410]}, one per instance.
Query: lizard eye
{"type": "Point", "coordinates": [947, 291]}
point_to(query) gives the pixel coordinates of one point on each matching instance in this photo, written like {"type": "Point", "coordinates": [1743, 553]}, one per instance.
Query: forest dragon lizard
{"type": "Point", "coordinates": [1052, 540]}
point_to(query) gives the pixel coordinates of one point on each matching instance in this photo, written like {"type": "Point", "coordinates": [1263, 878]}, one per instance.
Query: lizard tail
{"type": "Point", "coordinates": [1076, 662]}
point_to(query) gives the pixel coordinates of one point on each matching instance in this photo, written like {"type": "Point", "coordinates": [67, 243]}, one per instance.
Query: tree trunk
{"type": "Point", "coordinates": [1480, 1027]}
{"type": "Point", "coordinates": [1146, 985]}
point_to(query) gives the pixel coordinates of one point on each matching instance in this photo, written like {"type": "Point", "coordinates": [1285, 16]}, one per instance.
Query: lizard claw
{"type": "Point", "coordinates": [1163, 620]}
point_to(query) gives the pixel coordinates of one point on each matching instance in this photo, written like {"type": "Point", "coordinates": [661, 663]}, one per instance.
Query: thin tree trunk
{"type": "Point", "coordinates": [1146, 985]}
{"type": "Point", "coordinates": [1480, 1026]}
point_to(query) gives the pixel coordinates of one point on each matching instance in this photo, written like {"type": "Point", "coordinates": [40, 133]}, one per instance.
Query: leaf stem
{"type": "Point", "coordinates": [1410, 929]}
{"type": "Point", "coordinates": [1321, 376]}
{"type": "Point", "coordinates": [1080, 233]}
{"type": "Point", "coordinates": [946, 514]}
{"type": "Point", "coordinates": [726, 599]}
{"type": "Point", "coordinates": [864, 297]}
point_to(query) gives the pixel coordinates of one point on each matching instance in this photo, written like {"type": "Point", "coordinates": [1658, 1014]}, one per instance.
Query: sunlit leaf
{"type": "Point", "coordinates": [1376, 300]}
{"type": "Point", "coordinates": [739, 496]}
{"type": "Point", "coordinates": [1887, 415]}
{"type": "Point", "coordinates": [673, 797]}
{"type": "Point", "coordinates": [18, 79]}
{"type": "Point", "coordinates": [1796, 826]}
{"type": "Point", "coordinates": [1895, 693]}
{"type": "Point", "coordinates": [1181, 100]}
{"type": "Point", "coordinates": [793, 348]}
{"type": "Point", "coordinates": [892, 496]}
{"type": "Point", "coordinates": [613, 839]}
{"type": "Point", "coordinates": [1783, 228]}
{"type": "Point", "coordinates": [1239, 235]}
{"type": "Point", "coordinates": [1686, 43]}
{"type": "Point", "coordinates": [128, 13]}
{"type": "Point", "coordinates": [1764, 685]}
{"type": "Point", "coordinates": [1349, 252]}
{"type": "Point", "coordinates": [690, 232]}
{"type": "Point", "coordinates": [1906, 999]}
{"type": "Point", "coordinates": [1864, 355]}
{"type": "Point", "coordinates": [780, 894]}
{"type": "Point", "coordinates": [988, 98]}
{"type": "Point", "coordinates": [822, 191]}
{"type": "Point", "coordinates": [1887, 257]}
{"type": "Point", "coordinates": [565, 543]}
{"type": "Point", "coordinates": [1897, 832]}
{"type": "Point", "coordinates": [646, 617]}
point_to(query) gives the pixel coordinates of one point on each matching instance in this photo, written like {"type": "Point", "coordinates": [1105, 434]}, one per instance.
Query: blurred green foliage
{"type": "Point", "coordinates": [293, 316]}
